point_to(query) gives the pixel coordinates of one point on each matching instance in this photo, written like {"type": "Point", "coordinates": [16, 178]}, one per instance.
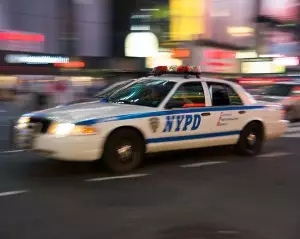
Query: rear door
{"type": "Point", "coordinates": [228, 113]}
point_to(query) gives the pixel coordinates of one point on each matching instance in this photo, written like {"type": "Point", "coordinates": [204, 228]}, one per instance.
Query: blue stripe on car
{"type": "Point", "coordinates": [191, 137]}
{"type": "Point", "coordinates": [166, 112]}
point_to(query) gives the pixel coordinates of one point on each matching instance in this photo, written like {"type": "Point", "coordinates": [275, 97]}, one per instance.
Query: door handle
{"type": "Point", "coordinates": [205, 114]}
{"type": "Point", "coordinates": [242, 112]}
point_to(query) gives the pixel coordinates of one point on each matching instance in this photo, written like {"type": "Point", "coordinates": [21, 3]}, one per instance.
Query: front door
{"type": "Point", "coordinates": [186, 119]}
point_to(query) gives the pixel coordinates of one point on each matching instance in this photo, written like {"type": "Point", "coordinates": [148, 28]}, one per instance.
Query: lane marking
{"type": "Point", "coordinates": [195, 165]}
{"type": "Point", "coordinates": [10, 193]}
{"type": "Point", "coordinates": [293, 125]}
{"type": "Point", "coordinates": [117, 177]}
{"type": "Point", "coordinates": [3, 111]}
{"type": "Point", "coordinates": [291, 135]}
{"type": "Point", "coordinates": [292, 129]}
{"type": "Point", "coordinates": [228, 232]}
{"type": "Point", "coordinates": [273, 155]}
{"type": "Point", "coordinates": [12, 151]}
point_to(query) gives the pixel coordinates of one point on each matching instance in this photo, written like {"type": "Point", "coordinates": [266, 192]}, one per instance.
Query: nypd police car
{"type": "Point", "coordinates": [175, 108]}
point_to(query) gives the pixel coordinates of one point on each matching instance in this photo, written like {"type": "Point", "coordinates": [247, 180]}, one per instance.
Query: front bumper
{"type": "Point", "coordinates": [68, 148]}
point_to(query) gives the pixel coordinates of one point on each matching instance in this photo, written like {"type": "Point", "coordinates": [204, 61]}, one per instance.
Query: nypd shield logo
{"type": "Point", "coordinates": [154, 124]}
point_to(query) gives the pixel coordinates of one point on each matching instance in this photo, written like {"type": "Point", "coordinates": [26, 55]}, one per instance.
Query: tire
{"type": "Point", "coordinates": [124, 151]}
{"type": "Point", "coordinates": [251, 140]}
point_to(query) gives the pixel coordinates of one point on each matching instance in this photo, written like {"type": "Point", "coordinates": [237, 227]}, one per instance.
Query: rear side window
{"type": "Point", "coordinates": [223, 95]}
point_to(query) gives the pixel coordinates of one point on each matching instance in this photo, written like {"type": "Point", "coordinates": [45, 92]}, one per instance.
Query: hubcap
{"type": "Point", "coordinates": [125, 152]}
{"type": "Point", "coordinates": [251, 139]}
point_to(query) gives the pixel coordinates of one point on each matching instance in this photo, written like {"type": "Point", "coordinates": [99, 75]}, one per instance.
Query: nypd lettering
{"type": "Point", "coordinates": [176, 123]}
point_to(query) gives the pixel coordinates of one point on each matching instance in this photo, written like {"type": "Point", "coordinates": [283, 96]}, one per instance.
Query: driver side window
{"type": "Point", "coordinates": [188, 95]}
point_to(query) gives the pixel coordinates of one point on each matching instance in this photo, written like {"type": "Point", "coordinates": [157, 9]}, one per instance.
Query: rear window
{"type": "Point", "coordinates": [279, 90]}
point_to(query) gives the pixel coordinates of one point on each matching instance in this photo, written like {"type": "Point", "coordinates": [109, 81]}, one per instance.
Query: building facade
{"type": "Point", "coordinates": [77, 27]}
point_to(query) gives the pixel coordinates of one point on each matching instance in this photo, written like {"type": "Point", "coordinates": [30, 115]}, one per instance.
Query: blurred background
{"type": "Point", "coordinates": [54, 51]}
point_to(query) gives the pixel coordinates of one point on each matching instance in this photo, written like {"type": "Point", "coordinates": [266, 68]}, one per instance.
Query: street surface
{"type": "Point", "coordinates": [198, 194]}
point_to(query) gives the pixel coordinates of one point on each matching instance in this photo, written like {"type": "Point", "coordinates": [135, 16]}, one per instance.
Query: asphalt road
{"type": "Point", "coordinates": [199, 194]}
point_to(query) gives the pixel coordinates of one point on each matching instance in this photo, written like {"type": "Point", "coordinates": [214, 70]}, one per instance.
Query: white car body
{"type": "Point", "coordinates": [188, 130]}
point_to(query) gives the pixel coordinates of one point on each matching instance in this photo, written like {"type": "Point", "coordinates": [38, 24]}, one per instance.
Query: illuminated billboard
{"type": "Point", "coordinates": [284, 10]}
{"type": "Point", "coordinates": [187, 19]}
{"type": "Point", "coordinates": [21, 41]}
{"type": "Point", "coordinates": [231, 21]}
{"type": "Point", "coordinates": [261, 67]}
{"type": "Point", "coordinates": [141, 44]}
{"type": "Point", "coordinates": [215, 60]}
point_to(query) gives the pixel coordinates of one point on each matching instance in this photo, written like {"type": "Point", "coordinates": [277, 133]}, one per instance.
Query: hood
{"type": "Point", "coordinates": [90, 110]}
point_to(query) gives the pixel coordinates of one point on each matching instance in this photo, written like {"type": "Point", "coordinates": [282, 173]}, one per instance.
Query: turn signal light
{"type": "Point", "coordinates": [84, 130]}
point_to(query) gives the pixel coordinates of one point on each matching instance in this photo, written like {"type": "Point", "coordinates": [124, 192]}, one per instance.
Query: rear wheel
{"type": "Point", "coordinates": [251, 140]}
{"type": "Point", "coordinates": [124, 151]}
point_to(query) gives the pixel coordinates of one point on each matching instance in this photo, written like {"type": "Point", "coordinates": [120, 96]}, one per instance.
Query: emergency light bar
{"type": "Point", "coordinates": [186, 70]}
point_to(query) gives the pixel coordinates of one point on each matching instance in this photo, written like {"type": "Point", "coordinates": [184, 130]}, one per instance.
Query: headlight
{"type": "Point", "coordinates": [63, 129]}
{"type": "Point", "coordinates": [23, 120]}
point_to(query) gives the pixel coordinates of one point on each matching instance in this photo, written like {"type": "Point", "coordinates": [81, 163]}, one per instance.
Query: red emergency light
{"type": "Point", "coordinates": [186, 70]}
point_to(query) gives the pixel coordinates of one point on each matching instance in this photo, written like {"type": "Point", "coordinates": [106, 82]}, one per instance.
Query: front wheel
{"type": "Point", "coordinates": [124, 151]}
{"type": "Point", "coordinates": [251, 140]}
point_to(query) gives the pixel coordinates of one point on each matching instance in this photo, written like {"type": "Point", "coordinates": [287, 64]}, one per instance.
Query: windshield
{"type": "Point", "coordinates": [278, 90]}
{"type": "Point", "coordinates": [108, 91]}
{"type": "Point", "coordinates": [148, 92]}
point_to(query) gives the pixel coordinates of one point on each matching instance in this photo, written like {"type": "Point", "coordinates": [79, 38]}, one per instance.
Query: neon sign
{"type": "Point", "coordinates": [33, 59]}
{"type": "Point", "coordinates": [218, 60]}
{"type": "Point", "coordinates": [17, 36]}
{"type": "Point", "coordinates": [72, 64]}
{"type": "Point", "coordinates": [219, 54]}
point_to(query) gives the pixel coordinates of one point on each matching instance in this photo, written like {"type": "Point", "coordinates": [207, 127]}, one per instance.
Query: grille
{"type": "Point", "coordinates": [45, 123]}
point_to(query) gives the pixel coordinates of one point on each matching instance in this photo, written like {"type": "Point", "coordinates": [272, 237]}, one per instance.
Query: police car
{"type": "Point", "coordinates": [284, 93]}
{"type": "Point", "coordinates": [173, 109]}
